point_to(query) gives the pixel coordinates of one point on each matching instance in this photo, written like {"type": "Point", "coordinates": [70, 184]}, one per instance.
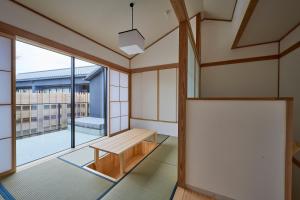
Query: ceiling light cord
{"type": "Point", "coordinates": [131, 5]}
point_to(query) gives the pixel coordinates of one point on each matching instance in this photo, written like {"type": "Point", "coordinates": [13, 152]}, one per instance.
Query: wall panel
{"type": "Point", "coordinates": [167, 95]}
{"type": "Point", "coordinates": [253, 79]}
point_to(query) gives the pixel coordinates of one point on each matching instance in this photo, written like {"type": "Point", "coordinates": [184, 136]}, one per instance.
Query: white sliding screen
{"type": "Point", "coordinates": [118, 88]}
{"type": "Point", "coordinates": [7, 96]}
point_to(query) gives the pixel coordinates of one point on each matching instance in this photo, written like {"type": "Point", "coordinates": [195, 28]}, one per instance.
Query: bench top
{"type": "Point", "coordinates": [123, 141]}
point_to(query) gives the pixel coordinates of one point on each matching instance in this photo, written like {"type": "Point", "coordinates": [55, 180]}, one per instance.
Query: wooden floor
{"type": "Point", "coordinates": [183, 194]}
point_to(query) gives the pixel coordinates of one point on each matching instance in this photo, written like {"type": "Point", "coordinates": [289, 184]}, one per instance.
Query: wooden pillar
{"type": "Point", "coordinates": [183, 51]}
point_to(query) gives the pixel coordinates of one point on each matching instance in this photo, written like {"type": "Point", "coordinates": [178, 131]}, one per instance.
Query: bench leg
{"type": "Point", "coordinates": [96, 157]}
{"type": "Point", "coordinates": [155, 138]}
{"type": "Point", "coordinates": [122, 164]}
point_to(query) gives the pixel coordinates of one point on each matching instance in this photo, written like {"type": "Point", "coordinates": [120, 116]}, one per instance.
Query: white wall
{"type": "Point", "coordinates": [165, 128]}
{"type": "Point", "coordinates": [20, 17]}
{"type": "Point", "coordinates": [163, 52]}
{"type": "Point", "coordinates": [290, 86]}
{"type": "Point", "coordinates": [236, 149]}
{"type": "Point", "coordinates": [252, 79]}
{"type": "Point", "coordinates": [154, 101]}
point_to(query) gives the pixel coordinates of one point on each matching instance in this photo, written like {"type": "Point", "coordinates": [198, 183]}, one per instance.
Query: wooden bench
{"type": "Point", "coordinates": [124, 150]}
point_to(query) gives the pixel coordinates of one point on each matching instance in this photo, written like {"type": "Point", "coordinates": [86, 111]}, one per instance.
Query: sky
{"type": "Point", "coordinates": [31, 58]}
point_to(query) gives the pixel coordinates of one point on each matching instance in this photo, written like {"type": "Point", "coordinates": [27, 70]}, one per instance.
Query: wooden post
{"type": "Point", "coordinates": [183, 51]}
{"type": "Point", "coordinates": [122, 164]}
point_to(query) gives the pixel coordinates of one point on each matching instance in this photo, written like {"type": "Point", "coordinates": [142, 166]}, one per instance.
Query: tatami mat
{"type": "Point", "coordinates": [167, 152]}
{"type": "Point", "coordinates": [85, 155]}
{"type": "Point", "coordinates": [81, 157]}
{"type": "Point", "coordinates": [55, 180]}
{"type": "Point", "coordinates": [1, 198]}
{"type": "Point", "coordinates": [154, 178]}
{"type": "Point", "coordinates": [160, 138]}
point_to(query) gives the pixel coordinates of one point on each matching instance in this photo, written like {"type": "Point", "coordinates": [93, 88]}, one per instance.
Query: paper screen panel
{"type": "Point", "coordinates": [5, 122]}
{"type": "Point", "coordinates": [123, 94]}
{"type": "Point", "coordinates": [167, 95]}
{"type": "Point", "coordinates": [123, 80]}
{"type": "Point", "coordinates": [5, 54]}
{"type": "Point", "coordinates": [115, 110]}
{"type": "Point", "coordinates": [124, 122]}
{"type": "Point", "coordinates": [5, 155]}
{"type": "Point", "coordinates": [114, 93]}
{"type": "Point", "coordinates": [5, 87]}
{"type": "Point", "coordinates": [115, 124]}
{"type": "Point", "coordinates": [114, 78]}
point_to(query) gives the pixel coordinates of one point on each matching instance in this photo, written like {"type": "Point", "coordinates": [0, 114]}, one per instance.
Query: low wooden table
{"type": "Point", "coordinates": [131, 144]}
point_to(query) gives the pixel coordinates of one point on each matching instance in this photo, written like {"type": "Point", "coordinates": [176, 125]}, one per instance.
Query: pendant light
{"type": "Point", "coordinates": [131, 41]}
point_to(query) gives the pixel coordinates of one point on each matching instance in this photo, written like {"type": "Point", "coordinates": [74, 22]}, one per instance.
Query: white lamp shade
{"type": "Point", "coordinates": [131, 42]}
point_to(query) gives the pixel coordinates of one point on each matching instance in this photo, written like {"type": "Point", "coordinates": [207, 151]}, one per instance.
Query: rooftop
{"type": "Point", "coordinates": [56, 73]}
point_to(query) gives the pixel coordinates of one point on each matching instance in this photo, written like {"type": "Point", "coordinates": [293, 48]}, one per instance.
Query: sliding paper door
{"type": "Point", "coordinates": [7, 96]}
{"type": "Point", "coordinates": [118, 101]}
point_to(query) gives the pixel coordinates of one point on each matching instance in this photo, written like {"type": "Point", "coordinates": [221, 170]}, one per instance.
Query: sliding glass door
{"type": "Point", "coordinates": [43, 101]}
{"type": "Point", "coordinates": [90, 101]}
{"type": "Point", "coordinates": [60, 102]}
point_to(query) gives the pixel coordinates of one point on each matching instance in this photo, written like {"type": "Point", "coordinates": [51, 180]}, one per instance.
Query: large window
{"type": "Point", "coordinates": [47, 120]}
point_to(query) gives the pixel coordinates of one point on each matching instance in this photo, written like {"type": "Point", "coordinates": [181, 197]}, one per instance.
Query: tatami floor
{"type": "Point", "coordinates": [65, 177]}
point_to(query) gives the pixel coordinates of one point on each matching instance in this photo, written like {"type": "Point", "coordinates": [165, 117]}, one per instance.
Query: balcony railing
{"type": "Point", "coordinates": [42, 118]}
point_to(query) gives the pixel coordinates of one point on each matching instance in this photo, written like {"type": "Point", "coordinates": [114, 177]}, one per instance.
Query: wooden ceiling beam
{"type": "Point", "coordinates": [180, 10]}
{"type": "Point", "coordinates": [244, 23]}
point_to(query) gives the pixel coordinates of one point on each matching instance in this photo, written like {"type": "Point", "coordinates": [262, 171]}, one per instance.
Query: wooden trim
{"type": "Point", "coordinates": [9, 29]}
{"type": "Point", "coordinates": [180, 10]}
{"type": "Point", "coordinates": [234, 10]}
{"type": "Point", "coordinates": [244, 98]}
{"type": "Point", "coordinates": [215, 19]}
{"type": "Point", "coordinates": [68, 28]}
{"type": "Point", "coordinates": [289, 150]}
{"type": "Point", "coordinates": [256, 44]}
{"type": "Point", "coordinates": [154, 68]}
{"type": "Point", "coordinates": [198, 47]}
{"type": "Point", "coordinates": [291, 30]}
{"type": "Point", "coordinates": [129, 99]}
{"type": "Point", "coordinates": [244, 23]}
{"type": "Point", "coordinates": [157, 95]}
{"type": "Point", "coordinates": [290, 49]}
{"type": "Point", "coordinates": [13, 101]}
{"type": "Point", "coordinates": [278, 71]}
{"type": "Point", "coordinates": [241, 60]}
{"type": "Point", "coordinates": [183, 60]}
{"type": "Point", "coordinates": [198, 34]}
{"type": "Point", "coordinates": [296, 162]}
{"type": "Point", "coordinates": [154, 120]}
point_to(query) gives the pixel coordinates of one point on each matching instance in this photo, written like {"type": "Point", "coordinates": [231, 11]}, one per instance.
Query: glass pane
{"type": "Point", "coordinates": [191, 72]}
{"type": "Point", "coordinates": [90, 98]}
{"type": "Point", "coordinates": [42, 102]}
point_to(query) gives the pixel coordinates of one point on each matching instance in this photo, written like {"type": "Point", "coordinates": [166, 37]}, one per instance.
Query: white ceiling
{"type": "Point", "coordinates": [223, 9]}
{"type": "Point", "coordinates": [102, 20]}
{"type": "Point", "coordinates": [271, 20]}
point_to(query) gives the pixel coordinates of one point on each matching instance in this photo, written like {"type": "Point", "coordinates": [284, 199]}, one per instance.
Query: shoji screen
{"type": "Point", "coordinates": [7, 135]}
{"type": "Point", "coordinates": [118, 101]}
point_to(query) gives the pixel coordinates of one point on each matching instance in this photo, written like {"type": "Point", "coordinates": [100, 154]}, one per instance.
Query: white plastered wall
{"type": "Point", "coordinates": [230, 146]}
{"type": "Point", "coordinates": [290, 86]}
{"type": "Point", "coordinates": [20, 17]}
